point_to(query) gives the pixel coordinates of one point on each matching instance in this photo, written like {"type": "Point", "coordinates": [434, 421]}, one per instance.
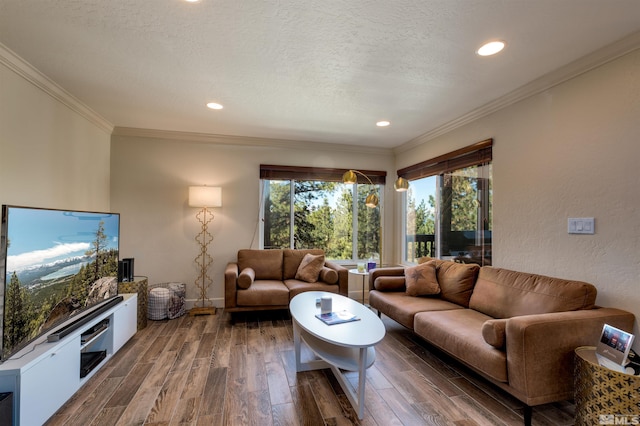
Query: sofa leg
{"type": "Point", "coordinates": [527, 415]}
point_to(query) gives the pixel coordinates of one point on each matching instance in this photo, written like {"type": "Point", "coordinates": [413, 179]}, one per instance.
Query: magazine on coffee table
{"type": "Point", "coordinates": [339, 317]}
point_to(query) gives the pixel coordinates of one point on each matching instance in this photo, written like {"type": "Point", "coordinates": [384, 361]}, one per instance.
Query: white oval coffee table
{"type": "Point", "coordinates": [347, 346]}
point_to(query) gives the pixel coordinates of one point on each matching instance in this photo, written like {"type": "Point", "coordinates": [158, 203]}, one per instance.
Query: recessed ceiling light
{"type": "Point", "coordinates": [214, 105]}
{"type": "Point", "coordinates": [192, 1]}
{"type": "Point", "coordinates": [491, 48]}
{"type": "Point", "coordinates": [383, 123]}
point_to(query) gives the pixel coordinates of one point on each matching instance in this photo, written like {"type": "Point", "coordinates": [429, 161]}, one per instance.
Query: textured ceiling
{"type": "Point", "coordinates": [312, 70]}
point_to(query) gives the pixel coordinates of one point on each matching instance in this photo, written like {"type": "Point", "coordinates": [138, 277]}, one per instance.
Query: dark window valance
{"type": "Point", "coordinates": [472, 155]}
{"type": "Point", "coordinates": [268, 171]}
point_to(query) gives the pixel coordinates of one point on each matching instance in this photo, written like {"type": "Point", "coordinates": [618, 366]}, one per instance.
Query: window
{"type": "Point", "coordinates": [312, 208]}
{"type": "Point", "coordinates": [448, 206]}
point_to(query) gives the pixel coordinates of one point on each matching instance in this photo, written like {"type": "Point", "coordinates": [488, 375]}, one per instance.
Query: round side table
{"type": "Point", "coordinates": [602, 394]}
{"type": "Point", "coordinates": [364, 275]}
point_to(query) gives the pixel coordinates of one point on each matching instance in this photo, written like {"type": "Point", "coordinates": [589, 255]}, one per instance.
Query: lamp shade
{"type": "Point", "coordinates": [205, 196]}
{"type": "Point", "coordinates": [349, 177]}
{"type": "Point", "coordinates": [371, 201]}
{"type": "Point", "coordinates": [401, 184]}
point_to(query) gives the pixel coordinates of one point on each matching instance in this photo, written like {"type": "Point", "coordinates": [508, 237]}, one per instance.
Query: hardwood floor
{"type": "Point", "coordinates": [205, 370]}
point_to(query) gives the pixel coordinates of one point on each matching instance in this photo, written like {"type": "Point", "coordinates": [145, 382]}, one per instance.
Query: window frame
{"type": "Point", "coordinates": [476, 155]}
{"type": "Point", "coordinates": [296, 173]}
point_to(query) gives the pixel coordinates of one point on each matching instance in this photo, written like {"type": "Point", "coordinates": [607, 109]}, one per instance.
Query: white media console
{"type": "Point", "coordinates": [44, 374]}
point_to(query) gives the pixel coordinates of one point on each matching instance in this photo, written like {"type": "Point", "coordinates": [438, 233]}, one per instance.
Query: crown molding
{"type": "Point", "coordinates": [207, 138]}
{"type": "Point", "coordinates": [539, 85]}
{"type": "Point", "coordinates": [44, 83]}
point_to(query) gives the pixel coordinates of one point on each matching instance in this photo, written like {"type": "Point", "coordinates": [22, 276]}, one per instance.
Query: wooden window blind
{"type": "Point", "coordinates": [472, 155]}
{"type": "Point", "coordinates": [268, 171]}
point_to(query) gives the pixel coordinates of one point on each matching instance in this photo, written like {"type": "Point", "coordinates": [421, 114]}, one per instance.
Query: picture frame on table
{"type": "Point", "coordinates": [613, 347]}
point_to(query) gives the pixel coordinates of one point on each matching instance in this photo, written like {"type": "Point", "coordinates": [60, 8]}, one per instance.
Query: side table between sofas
{"type": "Point", "coordinates": [138, 285]}
{"type": "Point", "coordinates": [601, 393]}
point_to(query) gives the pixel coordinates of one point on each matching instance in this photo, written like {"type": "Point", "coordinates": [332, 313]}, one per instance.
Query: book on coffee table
{"type": "Point", "coordinates": [337, 317]}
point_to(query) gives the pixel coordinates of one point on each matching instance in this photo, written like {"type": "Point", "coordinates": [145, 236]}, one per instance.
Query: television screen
{"type": "Point", "coordinates": [55, 264]}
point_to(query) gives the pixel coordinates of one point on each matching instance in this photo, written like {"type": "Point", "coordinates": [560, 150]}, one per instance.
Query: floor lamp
{"type": "Point", "coordinates": [372, 200]}
{"type": "Point", "coordinates": [204, 197]}
{"type": "Point", "coordinates": [400, 185]}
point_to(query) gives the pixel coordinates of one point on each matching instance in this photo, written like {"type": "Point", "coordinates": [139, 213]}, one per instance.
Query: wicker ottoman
{"type": "Point", "coordinates": [166, 300]}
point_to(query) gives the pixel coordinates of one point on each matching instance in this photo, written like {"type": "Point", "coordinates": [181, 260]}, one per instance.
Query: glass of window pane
{"type": "Point", "coordinates": [464, 219]}
{"type": "Point", "coordinates": [420, 219]}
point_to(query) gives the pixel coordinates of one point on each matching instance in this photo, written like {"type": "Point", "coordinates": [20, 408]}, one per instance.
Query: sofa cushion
{"type": "Point", "coordinates": [310, 267]}
{"type": "Point", "coordinates": [264, 293]}
{"type": "Point", "coordinates": [292, 259]}
{"type": "Point", "coordinates": [296, 287]}
{"type": "Point", "coordinates": [328, 275]}
{"type": "Point", "coordinates": [501, 293]}
{"type": "Point", "coordinates": [267, 264]}
{"type": "Point", "coordinates": [402, 307]}
{"type": "Point", "coordinates": [390, 284]}
{"type": "Point", "coordinates": [456, 280]}
{"type": "Point", "coordinates": [246, 277]}
{"type": "Point", "coordinates": [493, 332]}
{"type": "Point", "coordinates": [421, 280]}
{"type": "Point", "coordinates": [459, 333]}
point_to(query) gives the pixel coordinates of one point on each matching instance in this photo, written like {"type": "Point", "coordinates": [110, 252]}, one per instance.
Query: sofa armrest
{"type": "Point", "coordinates": [540, 349]}
{"type": "Point", "coordinates": [230, 285]}
{"type": "Point", "coordinates": [343, 276]}
{"type": "Point", "coordinates": [394, 271]}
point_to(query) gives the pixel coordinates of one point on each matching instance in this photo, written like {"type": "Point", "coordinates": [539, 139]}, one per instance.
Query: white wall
{"type": "Point", "coordinates": [572, 151]}
{"type": "Point", "coordinates": [50, 155]}
{"type": "Point", "coordinates": [149, 187]}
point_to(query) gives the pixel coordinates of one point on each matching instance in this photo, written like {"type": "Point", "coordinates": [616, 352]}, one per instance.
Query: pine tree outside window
{"type": "Point", "coordinates": [448, 207]}
{"type": "Point", "coordinates": [311, 208]}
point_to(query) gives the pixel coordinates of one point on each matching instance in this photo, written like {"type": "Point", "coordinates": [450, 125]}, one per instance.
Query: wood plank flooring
{"type": "Point", "coordinates": [206, 370]}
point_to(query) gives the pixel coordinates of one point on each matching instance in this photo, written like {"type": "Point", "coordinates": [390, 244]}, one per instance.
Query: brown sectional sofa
{"type": "Point", "coordinates": [266, 279]}
{"type": "Point", "coordinates": [518, 330]}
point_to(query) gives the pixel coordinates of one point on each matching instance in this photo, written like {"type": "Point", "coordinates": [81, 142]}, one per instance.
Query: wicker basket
{"type": "Point", "coordinates": [166, 300]}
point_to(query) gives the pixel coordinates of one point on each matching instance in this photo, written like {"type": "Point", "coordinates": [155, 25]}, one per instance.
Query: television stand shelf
{"type": "Point", "coordinates": [87, 338]}
{"type": "Point", "coordinates": [44, 375]}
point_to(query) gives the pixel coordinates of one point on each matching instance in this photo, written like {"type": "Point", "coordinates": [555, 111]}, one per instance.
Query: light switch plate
{"type": "Point", "coordinates": [581, 225]}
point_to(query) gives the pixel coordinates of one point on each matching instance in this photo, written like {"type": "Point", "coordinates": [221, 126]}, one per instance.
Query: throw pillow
{"type": "Point", "coordinates": [421, 280]}
{"type": "Point", "coordinates": [493, 332]}
{"type": "Point", "coordinates": [390, 284]}
{"type": "Point", "coordinates": [328, 275]}
{"type": "Point", "coordinates": [246, 277]}
{"type": "Point", "coordinates": [310, 268]}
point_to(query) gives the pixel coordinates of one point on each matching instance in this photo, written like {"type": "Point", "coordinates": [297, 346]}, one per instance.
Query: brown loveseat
{"type": "Point", "coordinates": [518, 330]}
{"type": "Point", "coordinates": [269, 279]}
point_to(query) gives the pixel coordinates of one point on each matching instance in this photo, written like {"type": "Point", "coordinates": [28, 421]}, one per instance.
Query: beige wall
{"type": "Point", "coordinates": [149, 187]}
{"type": "Point", "coordinates": [50, 156]}
{"type": "Point", "coordinates": [571, 151]}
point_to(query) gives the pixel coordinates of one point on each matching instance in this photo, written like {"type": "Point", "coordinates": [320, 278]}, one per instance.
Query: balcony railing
{"type": "Point", "coordinates": [420, 245]}
{"type": "Point", "coordinates": [460, 247]}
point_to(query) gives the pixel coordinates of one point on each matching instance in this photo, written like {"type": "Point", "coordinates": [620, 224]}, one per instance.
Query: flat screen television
{"type": "Point", "coordinates": [54, 265]}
